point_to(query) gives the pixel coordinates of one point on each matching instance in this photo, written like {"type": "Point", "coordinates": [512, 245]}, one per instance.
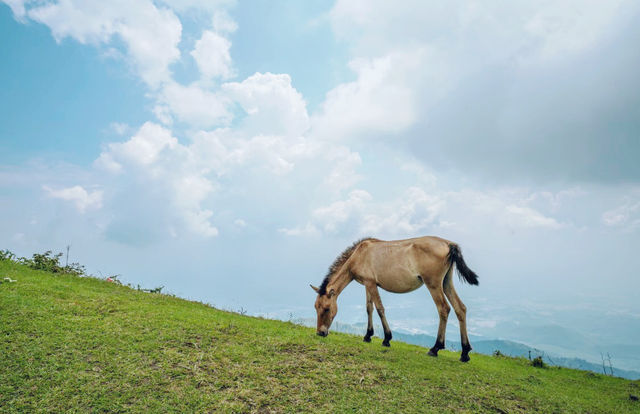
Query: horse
{"type": "Point", "coordinates": [398, 266]}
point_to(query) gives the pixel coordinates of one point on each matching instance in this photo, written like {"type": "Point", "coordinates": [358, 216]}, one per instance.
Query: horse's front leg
{"type": "Point", "coordinates": [372, 290]}
{"type": "Point", "coordinates": [369, 334]}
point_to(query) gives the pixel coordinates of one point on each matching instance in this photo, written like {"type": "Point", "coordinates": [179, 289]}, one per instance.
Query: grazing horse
{"type": "Point", "coordinates": [398, 266]}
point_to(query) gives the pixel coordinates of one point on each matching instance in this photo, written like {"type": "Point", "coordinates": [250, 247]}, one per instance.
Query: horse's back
{"type": "Point", "coordinates": [429, 245]}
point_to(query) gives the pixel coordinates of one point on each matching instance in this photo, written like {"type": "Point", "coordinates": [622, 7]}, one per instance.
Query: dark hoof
{"type": "Point", "coordinates": [386, 343]}
{"type": "Point", "coordinates": [432, 353]}
{"type": "Point", "coordinates": [367, 339]}
{"type": "Point", "coordinates": [464, 358]}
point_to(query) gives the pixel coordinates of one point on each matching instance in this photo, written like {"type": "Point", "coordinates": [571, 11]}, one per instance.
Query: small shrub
{"type": "Point", "coordinates": [538, 362]}
{"type": "Point", "coordinates": [497, 353]}
{"type": "Point", "coordinates": [50, 262]}
{"type": "Point", "coordinates": [154, 290]}
{"type": "Point", "coordinates": [46, 261]}
{"type": "Point", "coordinates": [75, 269]}
{"type": "Point", "coordinates": [7, 255]}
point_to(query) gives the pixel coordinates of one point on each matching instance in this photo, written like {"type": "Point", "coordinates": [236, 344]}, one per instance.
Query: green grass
{"type": "Point", "coordinates": [84, 345]}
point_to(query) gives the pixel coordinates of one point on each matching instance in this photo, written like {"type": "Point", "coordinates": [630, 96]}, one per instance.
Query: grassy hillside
{"type": "Point", "coordinates": [69, 343]}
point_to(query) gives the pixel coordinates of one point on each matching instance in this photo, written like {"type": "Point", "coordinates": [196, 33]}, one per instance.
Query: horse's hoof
{"type": "Point", "coordinates": [431, 353]}
{"type": "Point", "coordinates": [464, 358]}
{"type": "Point", "coordinates": [386, 343]}
{"type": "Point", "coordinates": [366, 339]}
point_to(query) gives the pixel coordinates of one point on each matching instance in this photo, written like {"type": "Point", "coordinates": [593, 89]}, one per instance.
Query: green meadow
{"type": "Point", "coordinates": [81, 344]}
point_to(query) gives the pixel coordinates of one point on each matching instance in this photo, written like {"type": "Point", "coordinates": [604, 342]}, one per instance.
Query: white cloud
{"type": "Point", "coordinates": [306, 230]}
{"type": "Point", "coordinates": [223, 23]}
{"type": "Point", "coordinates": [504, 209]}
{"type": "Point", "coordinates": [401, 74]}
{"type": "Point", "coordinates": [198, 222]}
{"type": "Point", "coordinates": [81, 198]}
{"type": "Point", "coordinates": [360, 214]}
{"type": "Point", "coordinates": [204, 5]}
{"type": "Point", "coordinates": [142, 149]}
{"type": "Point", "coordinates": [211, 54]}
{"type": "Point", "coordinates": [414, 213]}
{"type": "Point", "coordinates": [557, 199]}
{"type": "Point", "coordinates": [422, 210]}
{"type": "Point", "coordinates": [521, 83]}
{"type": "Point", "coordinates": [570, 26]}
{"type": "Point", "coordinates": [528, 217]}
{"type": "Point", "coordinates": [343, 174]}
{"type": "Point", "coordinates": [273, 152]}
{"type": "Point", "coordinates": [542, 29]}
{"type": "Point", "coordinates": [151, 34]}
{"type": "Point", "coordinates": [17, 7]}
{"type": "Point", "coordinates": [155, 167]}
{"type": "Point", "coordinates": [212, 51]}
{"type": "Point", "coordinates": [335, 215]}
{"type": "Point", "coordinates": [272, 104]}
{"type": "Point", "coordinates": [625, 216]}
{"type": "Point", "coordinates": [380, 100]}
{"type": "Point", "coordinates": [226, 151]}
{"type": "Point", "coordinates": [119, 128]}
{"type": "Point", "coordinates": [163, 113]}
{"type": "Point", "coordinates": [193, 105]}
{"type": "Point", "coordinates": [403, 71]}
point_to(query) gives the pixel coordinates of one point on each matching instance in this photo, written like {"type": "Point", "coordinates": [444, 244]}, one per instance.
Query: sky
{"type": "Point", "coordinates": [229, 150]}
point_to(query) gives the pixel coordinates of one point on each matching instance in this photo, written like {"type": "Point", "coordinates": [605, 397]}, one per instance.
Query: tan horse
{"type": "Point", "coordinates": [399, 266]}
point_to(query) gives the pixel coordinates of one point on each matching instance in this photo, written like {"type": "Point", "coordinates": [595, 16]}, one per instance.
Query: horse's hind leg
{"type": "Point", "coordinates": [369, 334]}
{"type": "Point", "coordinates": [443, 311]}
{"type": "Point", "coordinates": [461, 313]}
{"type": "Point", "coordinates": [372, 290]}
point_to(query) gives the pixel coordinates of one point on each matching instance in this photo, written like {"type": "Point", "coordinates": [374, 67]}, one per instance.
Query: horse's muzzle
{"type": "Point", "coordinates": [322, 333]}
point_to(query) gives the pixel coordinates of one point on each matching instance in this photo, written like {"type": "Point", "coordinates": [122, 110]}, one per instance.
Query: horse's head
{"type": "Point", "coordinates": [326, 308]}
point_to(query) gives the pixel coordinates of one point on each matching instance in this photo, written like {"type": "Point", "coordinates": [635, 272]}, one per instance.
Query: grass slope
{"type": "Point", "coordinates": [84, 345]}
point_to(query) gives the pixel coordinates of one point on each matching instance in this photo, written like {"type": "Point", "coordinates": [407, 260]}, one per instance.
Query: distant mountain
{"type": "Point", "coordinates": [484, 346]}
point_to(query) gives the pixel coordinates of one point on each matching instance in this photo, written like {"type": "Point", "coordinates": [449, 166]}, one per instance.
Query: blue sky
{"type": "Point", "coordinates": [229, 150]}
{"type": "Point", "coordinates": [57, 97]}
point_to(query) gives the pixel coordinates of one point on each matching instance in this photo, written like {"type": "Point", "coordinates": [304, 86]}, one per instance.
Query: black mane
{"type": "Point", "coordinates": [337, 264]}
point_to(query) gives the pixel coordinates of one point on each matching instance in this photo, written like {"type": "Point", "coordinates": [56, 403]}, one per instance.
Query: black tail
{"type": "Point", "coordinates": [465, 274]}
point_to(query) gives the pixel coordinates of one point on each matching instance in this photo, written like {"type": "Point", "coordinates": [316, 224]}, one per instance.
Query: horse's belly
{"type": "Point", "coordinates": [399, 282]}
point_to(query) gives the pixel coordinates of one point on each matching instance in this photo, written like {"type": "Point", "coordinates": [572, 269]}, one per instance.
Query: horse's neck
{"type": "Point", "coordinates": [340, 281]}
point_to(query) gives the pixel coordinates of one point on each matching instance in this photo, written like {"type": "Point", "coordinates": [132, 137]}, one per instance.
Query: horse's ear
{"type": "Point", "coordinates": [331, 293]}
{"type": "Point", "coordinates": [314, 288]}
